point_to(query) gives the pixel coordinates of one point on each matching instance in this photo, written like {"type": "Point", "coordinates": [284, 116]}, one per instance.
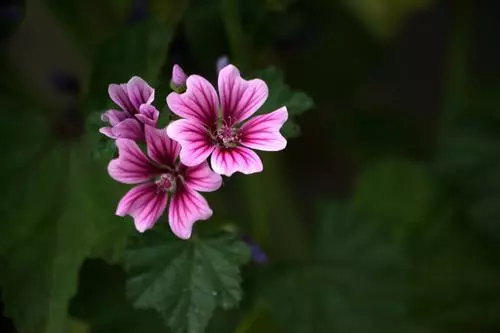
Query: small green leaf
{"type": "Point", "coordinates": [138, 50]}
{"type": "Point", "coordinates": [185, 280]}
{"type": "Point", "coordinates": [282, 95]}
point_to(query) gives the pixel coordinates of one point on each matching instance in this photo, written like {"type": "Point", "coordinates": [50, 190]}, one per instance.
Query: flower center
{"type": "Point", "coordinates": [166, 182]}
{"type": "Point", "coordinates": [226, 136]}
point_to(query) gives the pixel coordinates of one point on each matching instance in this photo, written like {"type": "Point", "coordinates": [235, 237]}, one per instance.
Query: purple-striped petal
{"type": "Point", "coordinates": [239, 159]}
{"type": "Point", "coordinates": [161, 148]}
{"type": "Point", "coordinates": [202, 178]}
{"type": "Point", "coordinates": [199, 102]}
{"type": "Point", "coordinates": [119, 95]}
{"type": "Point", "coordinates": [139, 92]}
{"type": "Point", "coordinates": [148, 114]}
{"type": "Point", "coordinates": [129, 129]}
{"type": "Point", "coordinates": [194, 139]}
{"type": "Point", "coordinates": [108, 131]}
{"type": "Point", "coordinates": [186, 207]}
{"type": "Point", "coordinates": [131, 166]}
{"type": "Point", "coordinates": [239, 98]}
{"type": "Point", "coordinates": [263, 132]}
{"type": "Point", "coordinates": [113, 117]}
{"type": "Point", "coordinates": [145, 204]}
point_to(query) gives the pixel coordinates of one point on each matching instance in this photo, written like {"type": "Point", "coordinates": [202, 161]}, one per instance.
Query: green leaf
{"type": "Point", "coordinates": [398, 192]}
{"type": "Point", "coordinates": [138, 50]}
{"type": "Point", "coordinates": [185, 280]}
{"type": "Point", "coordinates": [354, 282]}
{"type": "Point", "coordinates": [58, 208]}
{"type": "Point", "coordinates": [101, 302]}
{"type": "Point", "coordinates": [282, 95]}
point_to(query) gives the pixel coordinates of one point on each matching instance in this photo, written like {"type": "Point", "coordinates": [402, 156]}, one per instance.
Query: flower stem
{"type": "Point", "coordinates": [236, 38]}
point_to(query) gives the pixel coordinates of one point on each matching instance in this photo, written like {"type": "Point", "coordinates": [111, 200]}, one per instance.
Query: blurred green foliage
{"type": "Point", "coordinates": [405, 238]}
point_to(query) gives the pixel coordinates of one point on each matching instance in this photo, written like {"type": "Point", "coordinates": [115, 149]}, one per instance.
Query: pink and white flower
{"type": "Point", "coordinates": [134, 98]}
{"type": "Point", "coordinates": [160, 178]}
{"type": "Point", "coordinates": [217, 125]}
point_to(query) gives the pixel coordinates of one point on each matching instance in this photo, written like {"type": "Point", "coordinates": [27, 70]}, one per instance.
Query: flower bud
{"type": "Point", "coordinates": [178, 81]}
{"type": "Point", "coordinates": [221, 63]}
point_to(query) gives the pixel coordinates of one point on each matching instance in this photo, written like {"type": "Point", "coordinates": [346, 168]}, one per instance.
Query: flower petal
{"type": "Point", "coordinates": [202, 178]}
{"type": "Point", "coordinates": [263, 132]}
{"type": "Point", "coordinates": [239, 98]}
{"type": "Point", "coordinates": [148, 114]}
{"type": "Point", "coordinates": [228, 161]}
{"type": "Point", "coordinates": [186, 207]}
{"type": "Point", "coordinates": [108, 131]}
{"type": "Point", "coordinates": [145, 204]}
{"type": "Point", "coordinates": [129, 129]}
{"type": "Point", "coordinates": [161, 148]}
{"type": "Point", "coordinates": [131, 166]}
{"type": "Point", "coordinates": [119, 95]}
{"type": "Point", "coordinates": [194, 139]}
{"type": "Point", "coordinates": [139, 92]}
{"type": "Point", "coordinates": [199, 102]}
{"type": "Point", "coordinates": [113, 117]}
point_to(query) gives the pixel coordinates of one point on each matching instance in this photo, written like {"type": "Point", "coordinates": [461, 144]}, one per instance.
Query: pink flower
{"type": "Point", "coordinates": [134, 98]}
{"type": "Point", "coordinates": [226, 135]}
{"type": "Point", "coordinates": [159, 177]}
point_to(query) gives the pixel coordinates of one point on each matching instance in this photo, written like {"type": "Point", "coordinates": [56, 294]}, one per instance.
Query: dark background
{"type": "Point", "coordinates": [404, 138]}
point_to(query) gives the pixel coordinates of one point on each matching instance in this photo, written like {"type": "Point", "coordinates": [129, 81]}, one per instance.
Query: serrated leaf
{"type": "Point", "coordinates": [185, 280]}
{"type": "Point", "coordinates": [282, 95]}
{"type": "Point", "coordinates": [356, 281]}
{"type": "Point", "coordinates": [138, 50]}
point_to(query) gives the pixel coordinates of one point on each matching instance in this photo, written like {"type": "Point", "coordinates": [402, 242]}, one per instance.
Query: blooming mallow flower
{"type": "Point", "coordinates": [161, 178]}
{"type": "Point", "coordinates": [178, 81]}
{"type": "Point", "coordinates": [219, 125]}
{"type": "Point", "coordinates": [134, 98]}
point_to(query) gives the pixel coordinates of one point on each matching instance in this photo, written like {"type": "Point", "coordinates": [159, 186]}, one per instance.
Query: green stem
{"type": "Point", "coordinates": [235, 35]}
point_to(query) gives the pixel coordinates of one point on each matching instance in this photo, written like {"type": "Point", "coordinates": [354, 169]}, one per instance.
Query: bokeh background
{"type": "Point", "coordinates": [382, 215]}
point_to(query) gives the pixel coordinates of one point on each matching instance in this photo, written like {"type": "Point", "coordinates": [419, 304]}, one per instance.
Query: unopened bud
{"type": "Point", "coordinates": [178, 81]}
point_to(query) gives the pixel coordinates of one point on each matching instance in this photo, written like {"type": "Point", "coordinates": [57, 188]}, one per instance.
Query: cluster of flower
{"type": "Point", "coordinates": [211, 125]}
